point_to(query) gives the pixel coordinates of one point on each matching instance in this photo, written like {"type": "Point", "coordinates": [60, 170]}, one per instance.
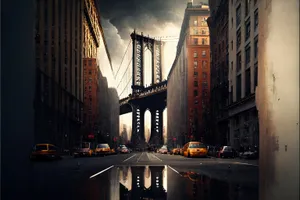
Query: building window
{"type": "Point", "coordinates": [195, 41]}
{"type": "Point", "coordinates": [247, 7]}
{"type": "Point", "coordinates": [195, 64]}
{"type": "Point", "coordinates": [256, 47]}
{"type": "Point", "coordinates": [248, 83]}
{"type": "Point", "coordinates": [231, 95]}
{"type": "Point", "coordinates": [255, 75]}
{"type": "Point", "coordinates": [238, 87]}
{"type": "Point", "coordinates": [238, 15]}
{"type": "Point", "coordinates": [247, 55]}
{"type": "Point", "coordinates": [204, 41]}
{"type": "Point", "coordinates": [238, 62]}
{"type": "Point", "coordinates": [203, 22]}
{"type": "Point", "coordinates": [255, 19]}
{"type": "Point", "coordinates": [204, 85]}
{"type": "Point", "coordinates": [204, 75]}
{"type": "Point", "coordinates": [231, 66]}
{"type": "Point", "coordinates": [238, 39]}
{"type": "Point", "coordinates": [204, 64]}
{"type": "Point", "coordinates": [203, 31]}
{"type": "Point", "coordinates": [231, 44]}
{"type": "Point", "coordinates": [90, 72]}
{"type": "Point", "coordinates": [247, 29]}
{"type": "Point", "coordinates": [196, 102]}
{"type": "Point", "coordinates": [203, 53]}
{"type": "Point", "coordinates": [195, 31]}
{"type": "Point", "coordinates": [196, 83]}
{"type": "Point", "coordinates": [195, 54]}
{"type": "Point", "coordinates": [204, 93]}
{"type": "Point", "coordinates": [195, 93]}
{"type": "Point", "coordinates": [195, 22]}
{"type": "Point", "coordinates": [195, 74]}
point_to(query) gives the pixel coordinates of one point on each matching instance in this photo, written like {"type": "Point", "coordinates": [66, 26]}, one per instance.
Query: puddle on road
{"type": "Point", "coordinates": [162, 183]}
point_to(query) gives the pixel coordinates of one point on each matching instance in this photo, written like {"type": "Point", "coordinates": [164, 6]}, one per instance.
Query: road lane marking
{"type": "Point", "coordinates": [241, 163]}
{"type": "Point", "coordinates": [174, 170]}
{"type": "Point", "coordinates": [148, 156]}
{"type": "Point", "coordinates": [129, 158]}
{"type": "Point", "coordinates": [156, 157]}
{"type": "Point", "coordinates": [101, 172]}
{"type": "Point", "coordinates": [139, 157]}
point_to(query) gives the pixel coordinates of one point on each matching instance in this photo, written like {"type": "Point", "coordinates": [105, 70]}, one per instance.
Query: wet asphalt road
{"type": "Point", "coordinates": [99, 177]}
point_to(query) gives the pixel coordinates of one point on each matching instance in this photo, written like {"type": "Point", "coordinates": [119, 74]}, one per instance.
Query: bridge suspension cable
{"type": "Point", "coordinates": [128, 66]}
{"type": "Point", "coordinates": [122, 59]}
{"type": "Point", "coordinates": [125, 86]}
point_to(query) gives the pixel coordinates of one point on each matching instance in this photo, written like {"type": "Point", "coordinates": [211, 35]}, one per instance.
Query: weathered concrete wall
{"type": "Point", "coordinates": [278, 99]}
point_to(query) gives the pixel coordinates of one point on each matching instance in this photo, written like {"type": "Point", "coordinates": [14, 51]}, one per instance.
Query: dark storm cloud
{"type": "Point", "coordinates": [120, 17]}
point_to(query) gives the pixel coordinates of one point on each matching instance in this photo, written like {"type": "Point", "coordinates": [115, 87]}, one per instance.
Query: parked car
{"type": "Point", "coordinates": [102, 149]}
{"type": "Point", "coordinates": [45, 151]}
{"type": "Point", "coordinates": [212, 151]}
{"type": "Point", "coordinates": [85, 149]}
{"type": "Point", "coordinates": [194, 149]}
{"type": "Point", "coordinates": [124, 149]}
{"type": "Point", "coordinates": [226, 152]}
{"type": "Point", "coordinates": [250, 153]}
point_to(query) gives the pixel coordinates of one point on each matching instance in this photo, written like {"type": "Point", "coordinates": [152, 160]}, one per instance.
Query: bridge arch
{"type": "Point", "coordinates": [125, 122]}
{"type": "Point", "coordinates": [147, 125]}
{"type": "Point", "coordinates": [147, 71]}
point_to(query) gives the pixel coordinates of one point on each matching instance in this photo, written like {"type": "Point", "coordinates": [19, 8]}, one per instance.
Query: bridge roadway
{"type": "Point", "coordinates": [156, 94]}
{"type": "Point", "coordinates": [99, 177]}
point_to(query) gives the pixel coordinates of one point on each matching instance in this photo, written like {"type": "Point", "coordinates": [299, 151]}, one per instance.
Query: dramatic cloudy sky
{"type": "Point", "coordinates": [154, 17]}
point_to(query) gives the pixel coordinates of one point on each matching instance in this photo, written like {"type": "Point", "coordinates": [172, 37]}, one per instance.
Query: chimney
{"type": "Point", "coordinates": [190, 3]}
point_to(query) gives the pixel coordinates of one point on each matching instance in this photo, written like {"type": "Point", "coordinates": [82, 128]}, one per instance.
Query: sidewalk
{"type": "Point", "coordinates": [251, 162]}
{"type": "Point", "coordinates": [238, 160]}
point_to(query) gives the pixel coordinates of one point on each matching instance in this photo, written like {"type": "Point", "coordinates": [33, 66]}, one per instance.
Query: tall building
{"type": "Point", "coordinates": [189, 77]}
{"type": "Point", "coordinates": [91, 94]}
{"type": "Point", "coordinates": [243, 67]}
{"type": "Point", "coordinates": [218, 28]}
{"type": "Point", "coordinates": [68, 33]}
{"type": "Point", "coordinates": [59, 85]}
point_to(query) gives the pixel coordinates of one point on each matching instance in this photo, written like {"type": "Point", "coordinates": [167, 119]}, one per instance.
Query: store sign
{"type": "Point", "coordinates": [91, 136]}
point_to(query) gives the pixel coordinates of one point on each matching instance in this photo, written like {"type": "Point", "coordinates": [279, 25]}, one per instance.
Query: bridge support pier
{"type": "Point", "coordinates": [156, 138]}
{"type": "Point", "coordinates": [138, 124]}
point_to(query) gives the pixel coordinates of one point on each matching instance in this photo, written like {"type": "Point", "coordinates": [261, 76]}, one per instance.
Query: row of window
{"type": "Point", "coordinates": [196, 54]}
{"type": "Point", "coordinates": [196, 31]}
{"type": "Point", "coordinates": [204, 84]}
{"type": "Point", "coordinates": [204, 93]}
{"type": "Point", "coordinates": [204, 64]}
{"type": "Point", "coordinates": [247, 56]}
{"type": "Point", "coordinates": [203, 22]}
{"type": "Point", "coordinates": [204, 41]}
{"type": "Point", "coordinates": [247, 82]}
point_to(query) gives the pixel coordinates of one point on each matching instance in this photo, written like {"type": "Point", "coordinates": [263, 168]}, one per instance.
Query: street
{"type": "Point", "coordinates": [100, 177]}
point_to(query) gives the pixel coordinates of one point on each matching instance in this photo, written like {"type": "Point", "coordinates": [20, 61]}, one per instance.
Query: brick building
{"type": "Point", "coordinates": [91, 94]}
{"type": "Point", "coordinates": [189, 77]}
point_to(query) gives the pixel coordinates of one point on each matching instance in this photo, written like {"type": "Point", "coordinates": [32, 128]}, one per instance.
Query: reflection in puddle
{"type": "Point", "coordinates": [153, 182]}
{"type": "Point", "coordinates": [146, 183]}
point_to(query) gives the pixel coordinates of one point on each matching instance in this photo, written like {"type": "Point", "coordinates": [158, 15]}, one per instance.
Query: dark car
{"type": "Point", "coordinates": [226, 152]}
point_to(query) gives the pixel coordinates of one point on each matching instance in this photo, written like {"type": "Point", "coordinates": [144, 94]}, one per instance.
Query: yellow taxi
{"type": "Point", "coordinates": [176, 151]}
{"type": "Point", "coordinates": [102, 149]}
{"type": "Point", "coordinates": [40, 151]}
{"type": "Point", "coordinates": [195, 149]}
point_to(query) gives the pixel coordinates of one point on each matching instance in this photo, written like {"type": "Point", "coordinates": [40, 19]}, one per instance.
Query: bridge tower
{"type": "Point", "coordinates": [140, 44]}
